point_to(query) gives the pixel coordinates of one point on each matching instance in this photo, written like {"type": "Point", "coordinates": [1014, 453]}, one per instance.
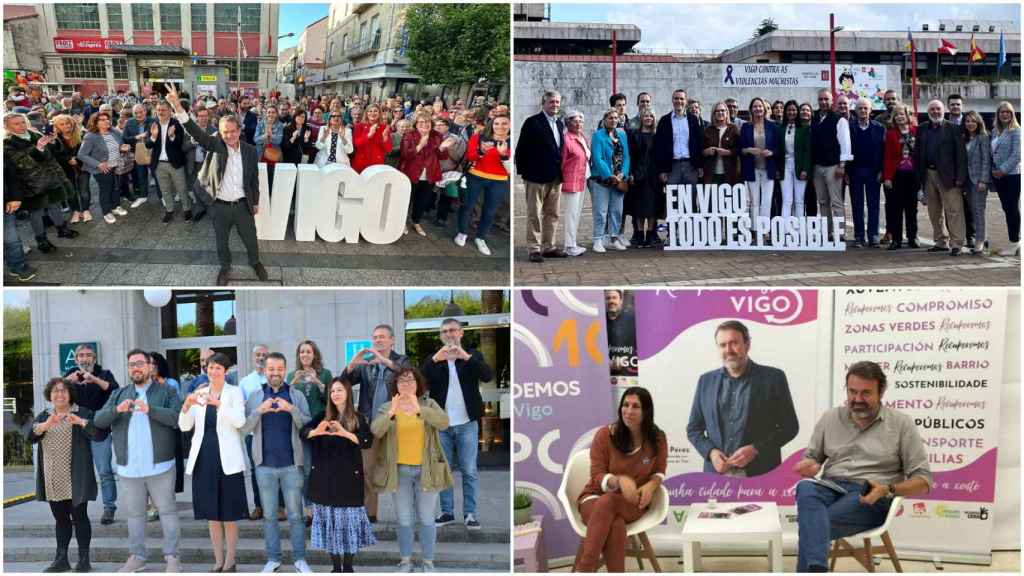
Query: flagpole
{"type": "Point", "coordinates": [238, 55]}
{"type": "Point", "coordinates": [913, 74]}
{"type": "Point", "coordinates": [970, 59]}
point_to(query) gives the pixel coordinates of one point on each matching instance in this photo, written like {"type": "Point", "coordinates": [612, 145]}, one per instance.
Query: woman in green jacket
{"type": "Point", "coordinates": [411, 464]}
{"type": "Point", "coordinates": [796, 143]}
{"type": "Point", "coordinates": [309, 377]}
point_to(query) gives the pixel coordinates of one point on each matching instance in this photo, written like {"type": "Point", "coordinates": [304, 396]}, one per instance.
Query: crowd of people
{"type": "Point", "coordinates": [314, 454]}
{"type": "Point", "coordinates": [795, 160]}
{"type": "Point", "coordinates": [60, 149]}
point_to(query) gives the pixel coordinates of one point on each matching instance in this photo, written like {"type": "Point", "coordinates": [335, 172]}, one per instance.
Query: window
{"type": "Point", "coordinates": [115, 18]}
{"type": "Point", "coordinates": [198, 314]}
{"type": "Point", "coordinates": [84, 68]}
{"type": "Point", "coordinates": [362, 35]}
{"type": "Point", "coordinates": [199, 17]}
{"type": "Point", "coordinates": [120, 68]}
{"type": "Point", "coordinates": [344, 43]}
{"type": "Point", "coordinates": [250, 70]}
{"type": "Point", "coordinates": [142, 16]}
{"type": "Point", "coordinates": [77, 16]}
{"type": "Point", "coordinates": [170, 17]}
{"type": "Point", "coordinates": [375, 30]}
{"type": "Point", "coordinates": [225, 17]}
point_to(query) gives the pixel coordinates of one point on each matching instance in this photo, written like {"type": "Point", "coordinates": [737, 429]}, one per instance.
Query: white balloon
{"type": "Point", "coordinates": [157, 297]}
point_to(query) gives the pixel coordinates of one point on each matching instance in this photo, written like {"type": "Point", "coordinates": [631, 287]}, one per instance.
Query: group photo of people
{"type": "Point", "coordinates": [795, 158]}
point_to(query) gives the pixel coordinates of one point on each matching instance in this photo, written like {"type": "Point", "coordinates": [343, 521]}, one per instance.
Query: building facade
{"type": "Point", "coordinates": [366, 51]}
{"type": "Point", "coordinates": [310, 53]}
{"type": "Point", "coordinates": [132, 47]}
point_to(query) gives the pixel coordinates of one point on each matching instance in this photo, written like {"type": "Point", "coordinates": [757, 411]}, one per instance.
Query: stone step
{"type": "Point", "coordinates": [196, 554]}
{"type": "Point", "coordinates": [385, 531]}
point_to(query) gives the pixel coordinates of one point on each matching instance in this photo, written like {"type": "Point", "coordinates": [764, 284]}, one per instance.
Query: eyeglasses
{"type": "Point", "coordinates": [141, 364]}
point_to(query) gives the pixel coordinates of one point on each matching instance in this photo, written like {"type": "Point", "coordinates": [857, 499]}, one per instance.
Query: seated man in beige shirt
{"type": "Point", "coordinates": [870, 454]}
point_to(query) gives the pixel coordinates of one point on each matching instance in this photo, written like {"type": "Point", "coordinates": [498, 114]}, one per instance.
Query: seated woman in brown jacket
{"type": "Point", "coordinates": [627, 465]}
{"type": "Point", "coordinates": [721, 148]}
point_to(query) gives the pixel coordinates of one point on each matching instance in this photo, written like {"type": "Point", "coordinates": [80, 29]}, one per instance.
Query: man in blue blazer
{"type": "Point", "coordinates": [538, 159]}
{"type": "Point", "coordinates": [742, 413]}
{"type": "Point", "coordinates": [678, 144]}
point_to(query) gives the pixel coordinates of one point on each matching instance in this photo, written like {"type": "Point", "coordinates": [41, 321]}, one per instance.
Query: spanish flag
{"type": "Point", "coordinates": [976, 53]}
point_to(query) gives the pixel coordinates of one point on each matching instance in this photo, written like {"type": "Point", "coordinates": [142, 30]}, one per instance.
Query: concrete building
{"type": "Point", "coordinates": [120, 46]}
{"type": "Point", "coordinates": [365, 53]}
{"type": "Point", "coordinates": [20, 24]}
{"type": "Point", "coordinates": [340, 322]}
{"type": "Point", "coordinates": [310, 53]}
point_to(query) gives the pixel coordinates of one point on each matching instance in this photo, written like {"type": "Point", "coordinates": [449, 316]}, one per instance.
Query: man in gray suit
{"type": "Point", "coordinates": [742, 413]}
{"type": "Point", "coordinates": [230, 175]}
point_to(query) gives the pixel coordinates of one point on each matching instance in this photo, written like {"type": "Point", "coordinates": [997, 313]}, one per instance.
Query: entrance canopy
{"type": "Point", "coordinates": [142, 50]}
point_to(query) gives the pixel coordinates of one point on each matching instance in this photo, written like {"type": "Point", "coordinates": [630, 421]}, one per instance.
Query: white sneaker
{"type": "Point", "coordinates": [173, 565]}
{"type": "Point", "coordinates": [428, 566]}
{"type": "Point", "coordinates": [138, 202]}
{"type": "Point", "coordinates": [120, 211]}
{"type": "Point", "coordinates": [1010, 250]}
{"type": "Point", "coordinates": [109, 218]}
{"type": "Point", "coordinates": [460, 239]}
{"type": "Point", "coordinates": [575, 250]}
{"type": "Point", "coordinates": [482, 247]}
{"type": "Point", "coordinates": [598, 247]}
{"type": "Point", "coordinates": [301, 566]}
{"type": "Point", "coordinates": [405, 565]}
{"type": "Point", "coordinates": [618, 244]}
{"type": "Point", "coordinates": [271, 566]}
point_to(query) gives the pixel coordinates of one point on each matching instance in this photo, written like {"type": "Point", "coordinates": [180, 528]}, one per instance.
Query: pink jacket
{"type": "Point", "coordinates": [575, 159]}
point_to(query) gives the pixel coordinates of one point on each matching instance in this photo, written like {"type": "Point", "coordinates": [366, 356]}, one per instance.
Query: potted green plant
{"type": "Point", "coordinates": [522, 505]}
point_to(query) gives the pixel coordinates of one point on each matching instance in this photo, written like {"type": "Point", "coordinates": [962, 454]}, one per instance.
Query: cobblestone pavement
{"type": "Point", "coordinates": [140, 250]}
{"type": "Point", "coordinates": [855, 267]}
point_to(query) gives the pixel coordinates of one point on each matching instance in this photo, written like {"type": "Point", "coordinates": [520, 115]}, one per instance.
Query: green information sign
{"type": "Point", "coordinates": [207, 78]}
{"type": "Point", "coordinates": [66, 353]}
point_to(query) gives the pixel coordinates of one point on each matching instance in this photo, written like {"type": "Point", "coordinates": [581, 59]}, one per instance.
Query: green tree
{"type": "Point", "coordinates": [452, 44]}
{"type": "Point", "coordinates": [767, 25]}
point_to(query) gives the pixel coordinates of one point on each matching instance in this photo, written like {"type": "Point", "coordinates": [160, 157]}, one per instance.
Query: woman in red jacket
{"type": "Point", "coordinates": [488, 151]}
{"type": "Point", "coordinates": [900, 180]}
{"type": "Point", "coordinates": [372, 139]}
{"type": "Point", "coordinates": [421, 162]}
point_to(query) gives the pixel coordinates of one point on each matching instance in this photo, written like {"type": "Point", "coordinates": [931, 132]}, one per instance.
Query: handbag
{"type": "Point", "coordinates": [142, 154]}
{"type": "Point", "coordinates": [271, 153]}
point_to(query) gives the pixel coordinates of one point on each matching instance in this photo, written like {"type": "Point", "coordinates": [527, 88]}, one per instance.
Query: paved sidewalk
{"type": "Point", "coordinates": [140, 250]}
{"type": "Point", "coordinates": [855, 267]}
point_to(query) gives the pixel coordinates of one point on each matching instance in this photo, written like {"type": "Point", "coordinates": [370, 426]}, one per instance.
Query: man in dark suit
{"type": "Point", "coordinates": [166, 141]}
{"type": "Point", "coordinates": [230, 175]}
{"type": "Point", "coordinates": [742, 413]}
{"type": "Point", "coordinates": [678, 144]}
{"type": "Point", "coordinates": [454, 376]}
{"type": "Point", "coordinates": [539, 163]}
{"type": "Point", "coordinates": [941, 164]}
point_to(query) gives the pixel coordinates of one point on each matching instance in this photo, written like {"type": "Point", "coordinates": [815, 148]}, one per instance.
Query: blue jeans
{"type": "Point", "coordinates": [289, 480]}
{"type": "Point", "coordinates": [864, 182]}
{"type": "Point", "coordinates": [824, 515]}
{"type": "Point", "coordinates": [410, 499]}
{"type": "Point", "coordinates": [14, 254]}
{"type": "Point", "coordinates": [607, 207]}
{"type": "Point", "coordinates": [494, 192]}
{"type": "Point", "coordinates": [101, 453]}
{"type": "Point", "coordinates": [461, 439]}
{"type": "Point", "coordinates": [141, 181]}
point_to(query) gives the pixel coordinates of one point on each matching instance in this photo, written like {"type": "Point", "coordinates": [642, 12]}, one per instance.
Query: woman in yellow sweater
{"type": "Point", "coordinates": [412, 465]}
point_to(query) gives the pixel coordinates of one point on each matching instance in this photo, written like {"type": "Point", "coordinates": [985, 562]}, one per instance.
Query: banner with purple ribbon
{"type": "Point", "coordinates": [561, 396]}
{"type": "Point", "coordinates": [942, 351]}
{"type": "Point", "coordinates": [683, 369]}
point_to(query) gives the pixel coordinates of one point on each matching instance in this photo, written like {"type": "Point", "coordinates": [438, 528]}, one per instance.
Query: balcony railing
{"type": "Point", "coordinates": [362, 48]}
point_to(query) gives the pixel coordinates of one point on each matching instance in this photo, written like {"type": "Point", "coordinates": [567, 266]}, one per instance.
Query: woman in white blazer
{"type": "Point", "coordinates": [216, 461]}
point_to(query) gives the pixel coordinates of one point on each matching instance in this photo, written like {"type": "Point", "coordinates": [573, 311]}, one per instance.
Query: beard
{"type": "Point", "coordinates": [86, 366]}
{"type": "Point", "coordinates": [863, 410]}
{"type": "Point", "coordinates": [275, 381]}
{"type": "Point", "coordinates": [139, 378]}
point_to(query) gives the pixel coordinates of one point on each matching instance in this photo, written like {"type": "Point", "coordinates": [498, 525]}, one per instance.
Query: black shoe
{"type": "Point", "coordinates": [440, 223]}
{"type": "Point", "coordinates": [27, 273]}
{"type": "Point", "coordinates": [222, 277]}
{"type": "Point", "coordinates": [857, 244]}
{"type": "Point", "coordinates": [913, 244]}
{"type": "Point", "coordinates": [873, 244]}
{"type": "Point", "coordinates": [107, 518]}
{"type": "Point", "coordinates": [954, 252]}
{"type": "Point", "coordinates": [44, 245]}
{"type": "Point", "coordinates": [188, 215]}
{"type": "Point", "coordinates": [555, 253]}
{"type": "Point", "coordinates": [83, 564]}
{"type": "Point", "coordinates": [64, 232]}
{"type": "Point", "coordinates": [536, 257]}
{"type": "Point", "coordinates": [655, 241]}
{"type": "Point", "coordinates": [373, 519]}
{"type": "Point", "coordinates": [937, 249]}
{"type": "Point", "coordinates": [261, 272]}
{"type": "Point", "coordinates": [894, 246]}
{"type": "Point", "coordinates": [444, 520]}
{"type": "Point", "coordinates": [198, 216]}
{"type": "Point", "coordinates": [168, 216]}
{"type": "Point", "coordinates": [60, 563]}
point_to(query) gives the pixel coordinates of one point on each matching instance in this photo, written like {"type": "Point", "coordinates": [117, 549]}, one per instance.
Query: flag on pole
{"type": "Point", "coordinates": [913, 69]}
{"type": "Point", "coordinates": [910, 41]}
{"type": "Point", "coordinates": [1002, 51]}
{"type": "Point", "coordinates": [245, 53]}
{"type": "Point", "coordinates": [947, 47]}
{"type": "Point", "coordinates": [977, 54]}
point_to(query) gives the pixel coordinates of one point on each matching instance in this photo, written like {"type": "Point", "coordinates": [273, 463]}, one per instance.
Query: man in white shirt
{"type": "Point", "coordinates": [253, 382]}
{"type": "Point", "coordinates": [230, 175]}
{"type": "Point", "coordinates": [830, 151]}
{"type": "Point", "coordinates": [454, 376]}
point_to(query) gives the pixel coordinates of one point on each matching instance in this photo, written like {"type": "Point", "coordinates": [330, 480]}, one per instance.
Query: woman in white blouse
{"type": "Point", "coordinates": [335, 142]}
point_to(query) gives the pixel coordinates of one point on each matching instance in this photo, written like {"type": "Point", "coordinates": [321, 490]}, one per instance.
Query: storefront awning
{"type": "Point", "coordinates": [150, 50]}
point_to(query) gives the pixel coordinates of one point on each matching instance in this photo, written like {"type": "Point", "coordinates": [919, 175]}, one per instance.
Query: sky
{"type": "Point", "coordinates": [295, 18]}
{"type": "Point", "coordinates": [674, 27]}
{"type": "Point", "coordinates": [16, 298]}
